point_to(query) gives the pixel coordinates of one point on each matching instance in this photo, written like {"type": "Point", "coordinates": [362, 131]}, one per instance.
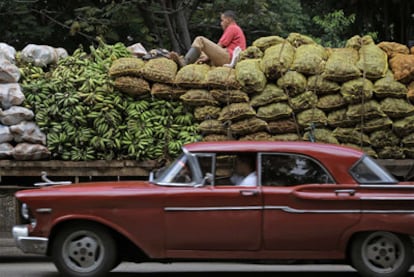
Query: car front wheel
{"type": "Point", "coordinates": [382, 254]}
{"type": "Point", "coordinates": [84, 251]}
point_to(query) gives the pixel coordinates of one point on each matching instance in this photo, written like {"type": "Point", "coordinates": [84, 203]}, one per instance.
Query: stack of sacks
{"type": "Point", "coordinates": [20, 137]}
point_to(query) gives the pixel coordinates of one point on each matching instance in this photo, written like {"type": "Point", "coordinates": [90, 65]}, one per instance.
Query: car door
{"type": "Point", "coordinates": [304, 210]}
{"type": "Point", "coordinates": [216, 216]}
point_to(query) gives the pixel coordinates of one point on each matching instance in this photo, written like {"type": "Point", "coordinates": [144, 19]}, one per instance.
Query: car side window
{"type": "Point", "coordinates": [291, 170]}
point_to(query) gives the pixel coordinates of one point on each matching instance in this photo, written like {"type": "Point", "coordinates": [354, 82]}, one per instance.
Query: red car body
{"type": "Point", "coordinates": [266, 221]}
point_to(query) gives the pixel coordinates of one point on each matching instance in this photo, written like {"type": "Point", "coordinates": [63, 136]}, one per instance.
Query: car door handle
{"type": "Point", "coordinates": [249, 192]}
{"type": "Point", "coordinates": [351, 192]}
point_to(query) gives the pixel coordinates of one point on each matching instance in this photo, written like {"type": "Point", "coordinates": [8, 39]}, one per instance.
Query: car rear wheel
{"type": "Point", "coordinates": [382, 254]}
{"type": "Point", "coordinates": [87, 250]}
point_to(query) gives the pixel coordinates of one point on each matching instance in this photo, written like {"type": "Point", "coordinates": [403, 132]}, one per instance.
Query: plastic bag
{"type": "Point", "coordinates": [9, 72]}
{"type": "Point", "coordinates": [6, 150]}
{"type": "Point", "coordinates": [5, 134]}
{"type": "Point", "coordinates": [7, 52]}
{"type": "Point", "coordinates": [15, 115]}
{"type": "Point", "coordinates": [11, 95]}
{"type": "Point", "coordinates": [28, 132]}
{"type": "Point", "coordinates": [39, 55]}
{"type": "Point", "coordinates": [26, 151]}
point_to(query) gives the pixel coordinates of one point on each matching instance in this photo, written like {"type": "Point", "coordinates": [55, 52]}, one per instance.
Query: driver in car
{"type": "Point", "coordinates": [245, 171]}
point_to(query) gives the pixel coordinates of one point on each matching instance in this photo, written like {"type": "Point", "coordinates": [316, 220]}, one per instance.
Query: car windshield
{"type": "Point", "coordinates": [367, 171]}
{"type": "Point", "coordinates": [178, 173]}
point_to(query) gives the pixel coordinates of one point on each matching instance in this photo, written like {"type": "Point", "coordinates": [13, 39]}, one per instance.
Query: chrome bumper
{"type": "Point", "coordinates": [35, 245]}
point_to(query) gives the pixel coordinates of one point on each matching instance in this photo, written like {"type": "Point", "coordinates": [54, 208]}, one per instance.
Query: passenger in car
{"type": "Point", "coordinates": [245, 171]}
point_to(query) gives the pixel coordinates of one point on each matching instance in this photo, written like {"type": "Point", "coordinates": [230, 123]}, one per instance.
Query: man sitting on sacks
{"type": "Point", "coordinates": [204, 50]}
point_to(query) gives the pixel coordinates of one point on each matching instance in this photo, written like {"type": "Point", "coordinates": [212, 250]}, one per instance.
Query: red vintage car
{"type": "Point", "coordinates": [302, 201]}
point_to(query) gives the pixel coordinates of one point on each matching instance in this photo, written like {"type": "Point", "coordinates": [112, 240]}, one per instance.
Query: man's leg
{"type": "Point", "coordinates": [217, 54]}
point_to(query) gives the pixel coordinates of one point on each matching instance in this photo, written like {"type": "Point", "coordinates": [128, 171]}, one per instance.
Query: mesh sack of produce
{"type": "Point", "coordinates": [9, 72]}
{"type": "Point", "coordinates": [30, 152]}
{"type": "Point", "coordinates": [396, 107]}
{"type": "Point", "coordinates": [320, 135]}
{"type": "Point", "coordinates": [392, 48]}
{"type": "Point", "coordinates": [367, 149]}
{"type": "Point", "coordinates": [405, 126]}
{"type": "Point", "coordinates": [312, 116]}
{"type": "Point", "coordinates": [298, 40]}
{"type": "Point", "coordinates": [133, 86]}
{"type": "Point", "coordinates": [408, 152]}
{"type": "Point", "coordinates": [391, 152]}
{"type": "Point", "coordinates": [331, 102]}
{"type": "Point", "coordinates": [212, 126]}
{"type": "Point", "coordinates": [277, 60]}
{"type": "Point", "coordinates": [228, 96]}
{"type": "Point", "coordinates": [11, 95]}
{"type": "Point", "coordinates": [341, 65]}
{"type": "Point", "coordinates": [369, 110]}
{"type": "Point", "coordinates": [259, 136]}
{"type": "Point", "coordinates": [250, 76]}
{"type": "Point", "coordinates": [163, 91]}
{"type": "Point", "coordinates": [282, 126]}
{"type": "Point", "coordinates": [356, 90]}
{"type": "Point", "coordinates": [251, 52]}
{"type": "Point", "coordinates": [265, 42]}
{"type": "Point", "coordinates": [126, 67]}
{"type": "Point", "coordinates": [223, 78]}
{"type": "Point", "coordinates": [215, 137]}
{"type": "Point", "coordinates": [236, 111]}
{"type": "Point", "coordinates": [177, 92]}
{"type": "Point", "coordinates": [410, 92]}
{"type": "Point", "coordinates": [248, 126]}
{"type": "Point", "coordinates": [351, 135]}
{"type": "Point", "coordinates": [15, 115]}
{"type": "Point", "coordinates": [274, 111]}
{"type": "Point", "coordinates": [206, 112]}
{"type": "Point", "coordinates": [28, 132]}
{"type": "Point", "coordinates": [39, 55]}
{"type": "Point", "coordinates": [160, 70]}
{"type": "Point", "coordinates": [304, 101]}
{"type": "Point", "coordinates": [6, 150]}
{"type": "Point", "coordinates": [382, 138]}
{"type": "Point", "coordinates": [270, 94]}
{"type": "Point", "coordinates": [389, 87]}
{"type": "Point", "coordinates": [372, 61]}
{"type": "Point", "coordinates": [192, 75]}
{"type": "Point", "coordinates": [357, 41]}
{"type": "Point", "coordinates": [339, 118]}
{"type": "Point", "coordinates": [408, 141]}
{"type": "Point", "coordinates": [372, 125]}
{"type": "Point", "coordinates": [293, 82]}
{"type": "Point", "coordinates": [5, 134]}
{"type": "Point", "coordinates": [321, 86]}
{"type": "Point", "coordinates": [199, 97]}
{"type": "Point", "coordinates": [285, 137]}
{"type": "Point", "coordinates": [310, 59]}
{"type": "Point", "coordinates": [403, 67]}
{"type": "Point", "coordinates": [7, 52]}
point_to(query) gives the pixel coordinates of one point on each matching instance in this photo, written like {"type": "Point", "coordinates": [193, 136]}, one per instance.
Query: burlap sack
{"type": "Point", "coordinates": [392, 48]}
{"type": "Point", "coordinates": [396, 107]}
{"type": "Point", "coordinates": [298, 40]}
{"type": "Point", "coordinates": [312, 116]}
{"type": "Point", "coordinates": [285, 137]}
{"type": "Point", "coordinates": [25, 151]}
{"type": "Point", "coordinates": [212, 126]}
{"type": "Point", "coordinates": [382, 138]}
{"type": "Point", "coordinates": [351, 135]}
{"type": "Point", "coordinates": [403, 67]}
{"type": "Point", "coordinates": [339, 118]}
{"type": "Point", "coordinates": [404, 126]}
{"type": "Point", "coordinates": [410, 92]}
{"type": "Point", "coordinates": [357, 90]}
{"type": "Point", "coordinates": [229, 96]}
{"type": "Point", "coordinates": [293, 83]}
{"type": "Point", "coordinates": [126, 67]}
{"type": "Point", "coordinates": [331, 102]}
{"type": "Point", "coordinates": [274, 111]}
{"type": "Point", "coordinates": [372, 61]}
{"type": "Point", "coordinates": [199, 97]}
{"type": "Point", "coordinates": [391, 152]}
{"type": "Point", "coordinates": [367, 149]}
{"type": "Point", "coordinates": [160, 70]}
{"type": "Point", "coordinates": [277, 60]}
{"type": "Point", "coordinates": [310, 59]}
{"type": "Point", "coordinates": [389, 87]}
{"type": "Point", "coordinates": [320, 135]}
{"type": "Point", "coordinates": [250, 76]}
{"type": "Point", "coordinates": [251, 52]}
{"type": "Point", "coordinates": [282, 126]}
{"type": "Point", "coordinates": [133, 86]}
{"type": "Point", "coordinates": [259, 136]}
{"type": "Point", "coordinates": [368, 110]}
{"type": "Point", "coordinates": [248, 126]}
{"type": "Point", "coordinates": [357, 41]}
{"type": "Point", "coordinates": [304, 101]}
{"type": "Point", "coordinates": [236, 111]}
{"type": "Point", "coordinates": [341, 65]}
{"type": "Point", "coordinates": [270, 94]}
{"type": "Point", "coordinates": [321, 86]}
{"type": "Point", "coordinates": [265, 42]}
{"type": "Point", "coordinates": [371, 125]}
{"type": "Point", "coordinates": [215, 138]}
{"type": "Point", "coordinates": [223, 78]}
{"type": "Point", "coordinates": [408, 141]}
{"type": "Point", "coordinates": [163, 91]}
{"type": "Point", "coordinates": [206, 112]}
{"type": "Point", "coordinates": [192, 76]}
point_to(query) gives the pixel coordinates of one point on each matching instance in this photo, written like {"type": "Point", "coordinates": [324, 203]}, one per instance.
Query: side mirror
{"type": "Point", "coordinates": [151, 177]}
{"type": "Point", "coordinates": [208, 179]}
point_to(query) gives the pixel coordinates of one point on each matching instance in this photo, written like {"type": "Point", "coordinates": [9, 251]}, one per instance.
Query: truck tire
{"type": "Point", "coordinates": [382, 254]}
{"type": "Point", "coordinates": [86, 250]}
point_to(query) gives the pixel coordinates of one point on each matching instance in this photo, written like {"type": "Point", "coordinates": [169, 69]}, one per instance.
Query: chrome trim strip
{"type": "Point", "coordinates": [296, 211]}
{"type": "Point", "coordinates": [386, 186]}
{"type": "Point", "coordinates": [195, 209]}
{"type": "Point", "coordinates": [44, 210]}
{"type": "Point", "coordinates": [387, 198]}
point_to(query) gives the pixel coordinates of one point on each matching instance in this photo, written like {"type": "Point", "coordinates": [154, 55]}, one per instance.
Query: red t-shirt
{"type": "Point", "coordinates": [232, 37]}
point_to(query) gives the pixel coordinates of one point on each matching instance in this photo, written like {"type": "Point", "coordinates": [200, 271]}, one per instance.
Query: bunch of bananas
{"type": "Point", "coordinates": [86, 118]}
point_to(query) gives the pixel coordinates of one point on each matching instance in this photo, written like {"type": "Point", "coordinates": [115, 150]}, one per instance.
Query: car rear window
{"type": "Point", "coordinates": [367, 171]}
